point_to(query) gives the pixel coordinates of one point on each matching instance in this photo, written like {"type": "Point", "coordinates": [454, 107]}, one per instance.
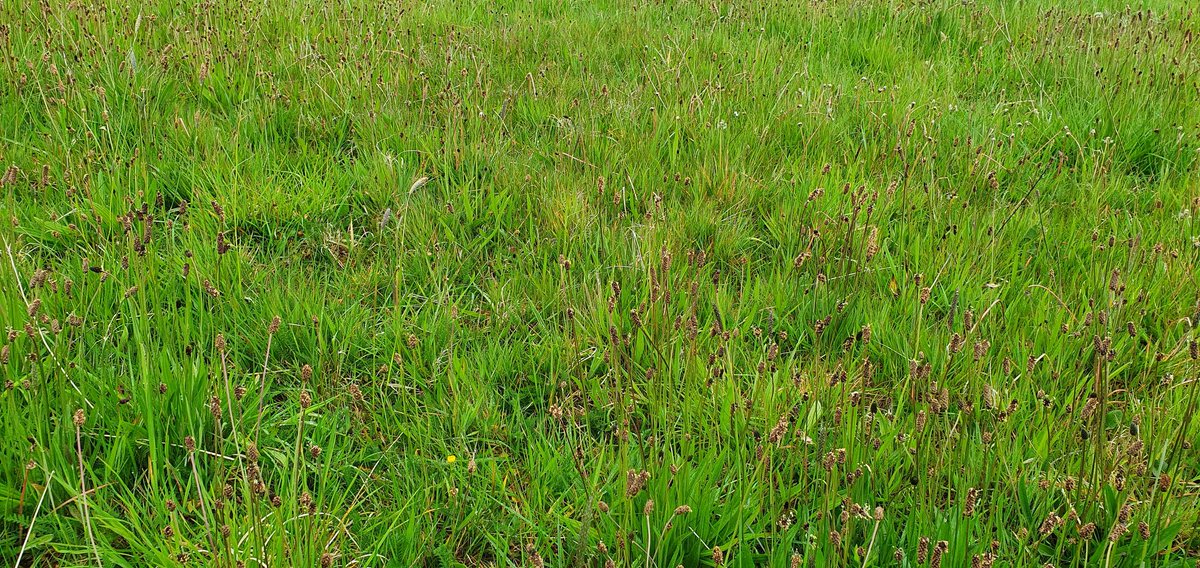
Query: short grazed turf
{"type": "Point", "coordinates": [630, 283]}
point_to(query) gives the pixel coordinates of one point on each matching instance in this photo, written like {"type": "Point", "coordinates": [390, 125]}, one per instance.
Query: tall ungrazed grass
{"type": "Point", "coordinates": [599, 284]}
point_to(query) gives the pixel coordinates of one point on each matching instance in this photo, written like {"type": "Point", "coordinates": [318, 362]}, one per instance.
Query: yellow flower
{"type": "Point", "coordinates": [450, 458]}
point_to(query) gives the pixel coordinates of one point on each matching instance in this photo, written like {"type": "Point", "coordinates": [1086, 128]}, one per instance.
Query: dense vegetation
{"type": "Point", "coordinates": [599, 283]}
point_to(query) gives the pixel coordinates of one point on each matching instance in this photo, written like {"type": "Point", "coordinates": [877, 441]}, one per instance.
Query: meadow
{"type": "Point", "coordinates": [609, 283]}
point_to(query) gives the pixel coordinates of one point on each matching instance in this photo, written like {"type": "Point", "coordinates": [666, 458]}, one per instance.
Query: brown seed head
{"type": "Point", "coordinates": [79, 417]}
{"type": "Point", "coordinates": [1052, 521]}
{"type": "Point", "coordinates": [969, 505]}
{"type": "Point", "coordinates": [635, 481]}
{"type": "Point", "coordinates": [682, 510]}
{"type": "Point", "coordinates": [1124, 513]}
{"type": "Point", "coordinates": [942, 547]}
{"type": "Point", "coordinates": [1117, 532]}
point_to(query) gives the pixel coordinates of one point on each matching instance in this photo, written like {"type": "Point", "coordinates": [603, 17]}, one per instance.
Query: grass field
{"type": "Point", "coordinates": [627, 283]}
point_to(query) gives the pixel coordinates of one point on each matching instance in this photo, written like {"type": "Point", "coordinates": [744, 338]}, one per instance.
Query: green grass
{"type": "Point", "coordinates": [846, 280]}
